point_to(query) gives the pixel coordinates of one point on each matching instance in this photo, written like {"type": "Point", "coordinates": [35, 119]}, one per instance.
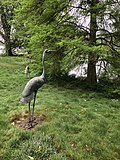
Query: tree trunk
{"type": "Point", "coordinates": [8, 47]}
{"type": "Point", "coordinates": [6, 29]}
{"type": "Point", "coordinates": [92, 58]}
{"type": "Point", "coordinates": [91, 72]}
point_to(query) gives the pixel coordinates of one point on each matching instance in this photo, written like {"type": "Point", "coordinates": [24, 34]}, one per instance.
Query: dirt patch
{"type": "Point", "coordinates": [21, 120]}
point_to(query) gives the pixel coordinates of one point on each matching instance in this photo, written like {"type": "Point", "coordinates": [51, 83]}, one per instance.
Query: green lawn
{"type": "Point", "coordinates": [79, 125]}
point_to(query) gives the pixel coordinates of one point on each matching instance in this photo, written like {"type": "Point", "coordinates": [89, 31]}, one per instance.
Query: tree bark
{"type": "Point", "coordinates": [91, 71]}
{"type": "Point", "coordinates": [8, 47]}
{"type": "Point", "coordinates": [92, 58]}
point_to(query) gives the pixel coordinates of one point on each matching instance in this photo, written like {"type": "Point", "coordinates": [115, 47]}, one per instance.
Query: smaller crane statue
{"type": "Point", "coordinates": [31, 89]}
{"type": "Point", "coordinates": [27, 71]}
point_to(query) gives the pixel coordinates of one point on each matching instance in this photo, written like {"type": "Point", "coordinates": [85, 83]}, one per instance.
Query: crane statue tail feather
{"type": "Point", "coordinates": [25, 100]}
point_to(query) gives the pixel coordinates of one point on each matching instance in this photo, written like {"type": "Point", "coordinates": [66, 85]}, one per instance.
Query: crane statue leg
{"type": "Point", "coordinates": [31, 117]}
{"type": "Point", "coordinates": [33, 106]}
{"type": "Point", "coordinates": [29, 122]}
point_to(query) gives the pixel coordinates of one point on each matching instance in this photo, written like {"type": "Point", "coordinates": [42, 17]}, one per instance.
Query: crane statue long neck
{"type": "Point", "coordinates": [43, 58]}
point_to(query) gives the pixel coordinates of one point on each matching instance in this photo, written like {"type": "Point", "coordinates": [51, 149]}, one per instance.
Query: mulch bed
{"type": "Point", "coordinates": [21, 120]}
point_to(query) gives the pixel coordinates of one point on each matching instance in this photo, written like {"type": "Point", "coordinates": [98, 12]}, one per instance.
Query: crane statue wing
{"type": "Point", "coordinates": [31, 87]}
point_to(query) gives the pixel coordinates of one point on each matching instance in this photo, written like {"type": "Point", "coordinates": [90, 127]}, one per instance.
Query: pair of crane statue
{"type": "Point", "coordinates": [31, 89]}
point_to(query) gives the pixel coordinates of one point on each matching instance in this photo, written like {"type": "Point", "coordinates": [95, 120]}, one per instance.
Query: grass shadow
{"type": "Point", "coordinates": [104, 88]}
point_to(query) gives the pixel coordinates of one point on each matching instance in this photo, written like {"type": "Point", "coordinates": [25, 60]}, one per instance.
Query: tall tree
{"type": "Point", "coordinates": [92, 59]}
{"type": "Point", "coordinates": [85, 30]}
{"type": "Point", "coordinates": [36, 26]}
{"type": "Point", "coordinates": [5, 26]}
{"type": "Point", "coordinates": [97, 21]}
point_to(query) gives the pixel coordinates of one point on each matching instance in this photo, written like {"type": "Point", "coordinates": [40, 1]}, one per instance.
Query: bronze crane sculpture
{"type": "Point", "coordinates": [31, 89]}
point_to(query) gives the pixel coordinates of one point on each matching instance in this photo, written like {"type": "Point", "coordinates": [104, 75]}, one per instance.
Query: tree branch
{"type": "Point", "coordinates": [109, 33]}
{"type": "Point", "coordinates": [109, 45]}
{"type": "Point", "coordinates": [110, 42]}
{"type": "Point", "coordinates": [2, 34]}
{"type": "Point", "coordinates": [78, 7]}
{"type": "Point", "coordinates": [85, 29]}
{"type": "Point", "coordinates": [1, 42]}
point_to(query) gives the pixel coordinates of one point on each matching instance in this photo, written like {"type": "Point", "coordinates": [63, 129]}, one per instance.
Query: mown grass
{"type": "Point", "coordinates": [80, 124]}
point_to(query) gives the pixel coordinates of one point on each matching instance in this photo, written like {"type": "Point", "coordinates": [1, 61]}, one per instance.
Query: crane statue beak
{"type": "Point", "coordinates": [51, 51]}
{"type": "Point", "coordinates": [47, 51]}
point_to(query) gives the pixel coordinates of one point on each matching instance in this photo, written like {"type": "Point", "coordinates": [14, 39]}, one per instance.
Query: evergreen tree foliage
{"type": "Point", "coordinates": [81, 31]}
